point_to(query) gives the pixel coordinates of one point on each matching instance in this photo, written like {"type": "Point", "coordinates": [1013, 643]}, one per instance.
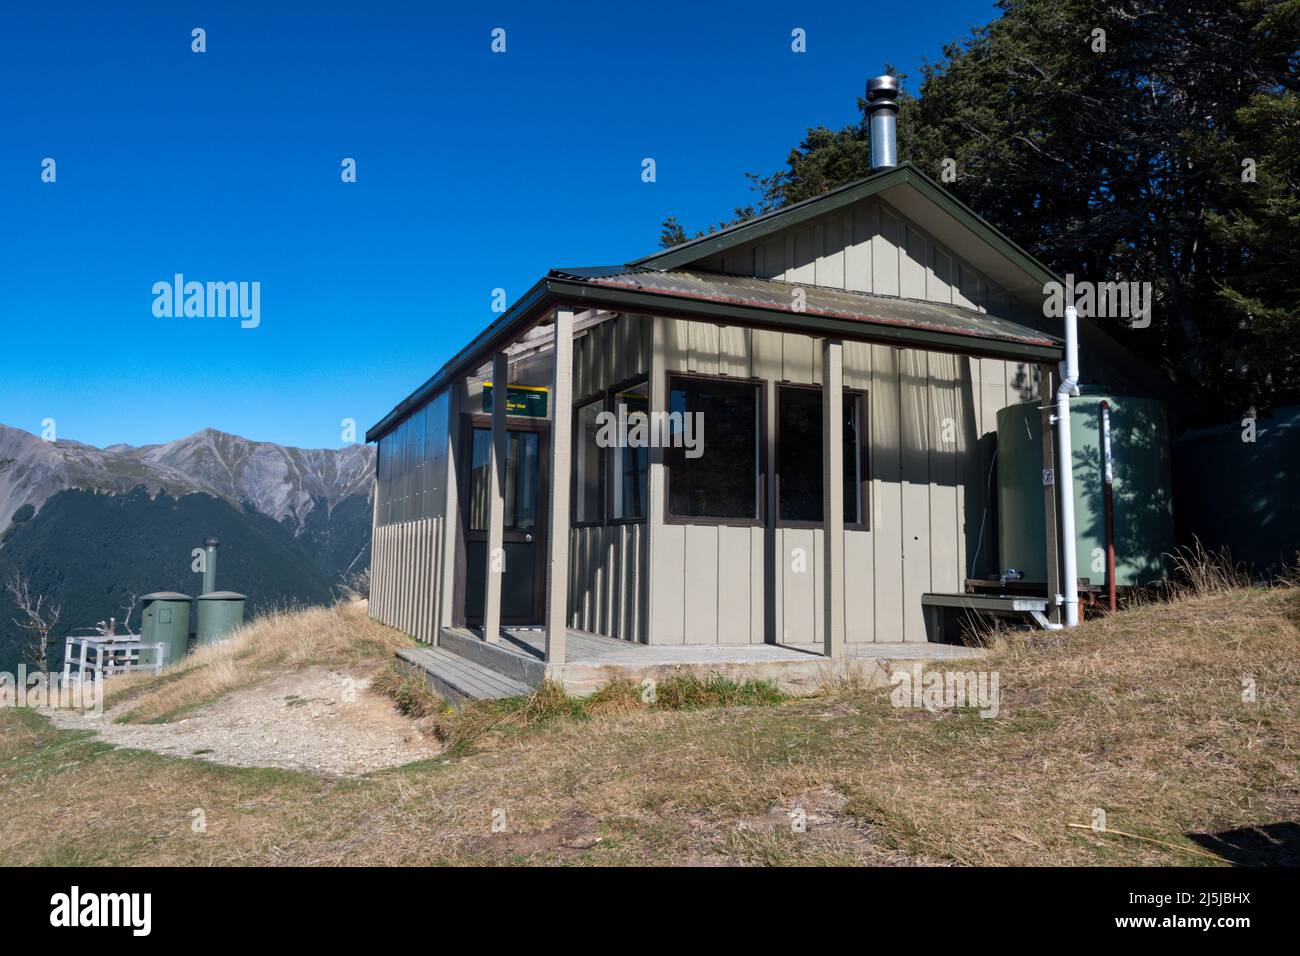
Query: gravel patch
{"type": "Point", "coordinates": [315, 719]}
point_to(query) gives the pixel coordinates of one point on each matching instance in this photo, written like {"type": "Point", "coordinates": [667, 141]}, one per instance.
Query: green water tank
{"type": "Point", "coordinates": [1143, 490]}
{"type": "Point", "coordinates": [165, 619]}
{"type": "Point", "coordinates": [219, 613]}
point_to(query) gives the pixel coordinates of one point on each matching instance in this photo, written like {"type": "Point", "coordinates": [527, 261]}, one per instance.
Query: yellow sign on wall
{"type": "Point", "coordinates": [529, 401]}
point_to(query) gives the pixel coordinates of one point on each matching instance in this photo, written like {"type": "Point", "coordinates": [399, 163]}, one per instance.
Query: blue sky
{"type": "Point", "coordinates": [474, 171]}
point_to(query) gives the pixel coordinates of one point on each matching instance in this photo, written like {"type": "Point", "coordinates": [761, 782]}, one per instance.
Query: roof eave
{"type": "Point", "coordinates": [498, 333]}
{"type": "Point", "coordinates": [556, 290]}
{"type": "Point", "coordinates": [593, 295]}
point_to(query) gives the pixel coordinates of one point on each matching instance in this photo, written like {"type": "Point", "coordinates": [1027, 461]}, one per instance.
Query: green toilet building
{"type": "Point", "coordinates": [165, 619]}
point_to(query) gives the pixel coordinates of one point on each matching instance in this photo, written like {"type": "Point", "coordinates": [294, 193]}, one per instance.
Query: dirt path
{"type": "Point", "coordinates": [313, 719]}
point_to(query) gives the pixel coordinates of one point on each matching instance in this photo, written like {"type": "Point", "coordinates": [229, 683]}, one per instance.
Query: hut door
{"type": "Point", "coordinates": [524, 538]}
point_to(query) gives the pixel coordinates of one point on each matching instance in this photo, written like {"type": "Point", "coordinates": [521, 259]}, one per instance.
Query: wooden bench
{"type": "Point", "coordinates": [936, 607]}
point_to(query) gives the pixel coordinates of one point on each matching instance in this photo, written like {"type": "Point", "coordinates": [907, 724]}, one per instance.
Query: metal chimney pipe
{"type": "Point", "coordinates": [210, 565]}
{"type": "Point", "coordinates": [882, 109]}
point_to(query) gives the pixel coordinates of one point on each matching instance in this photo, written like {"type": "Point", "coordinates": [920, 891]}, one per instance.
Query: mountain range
{"type": "Point", "coordinates": [90, 527]}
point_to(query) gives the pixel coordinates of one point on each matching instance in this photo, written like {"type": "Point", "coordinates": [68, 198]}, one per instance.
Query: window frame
{"type": "Point", "coordinates": [760, 463]}
{"type": "Point", "coordinates": [861, 398]}
{"type": "Point", "coordinates": [610, 392]}
{"type": "Point", "coordinates": [476, 421]}
{"type": "Point", "coordinates": [599, 398]}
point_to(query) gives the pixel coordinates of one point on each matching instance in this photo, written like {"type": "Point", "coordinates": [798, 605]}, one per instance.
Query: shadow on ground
{"type": "Point", "coordinates": [1275, 844]}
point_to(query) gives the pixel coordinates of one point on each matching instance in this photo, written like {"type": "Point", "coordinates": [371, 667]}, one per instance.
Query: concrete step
{"type": "Point", "coordinates": [506, 657]}
{"type": "Point", "coordinates": [456, 679]}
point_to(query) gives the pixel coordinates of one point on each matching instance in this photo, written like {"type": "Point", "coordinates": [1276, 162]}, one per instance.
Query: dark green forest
{"type": "Point", "coordinates": [1120, 141]}
{"type": "Point", "coordinates": [94, 550]}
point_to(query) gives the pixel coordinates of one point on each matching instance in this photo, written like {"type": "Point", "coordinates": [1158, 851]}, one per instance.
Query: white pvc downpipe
{"type": "Point", "coordinates": [1065, 470]}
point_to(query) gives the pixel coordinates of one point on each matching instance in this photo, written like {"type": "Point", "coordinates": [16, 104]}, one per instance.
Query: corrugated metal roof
{"type": "Point", "coordinates": [775, 294]}
{"type": "Point", "coordinates": [728, 299]}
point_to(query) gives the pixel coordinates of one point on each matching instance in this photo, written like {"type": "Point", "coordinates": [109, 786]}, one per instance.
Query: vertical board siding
{"type": "Point", "coordinates": [701, 557]}
{"type": "Point", "coordinates": [925, 415]}
{"type": "Point", "coordinates": [917, 434]}
{"type": "Point", "coordinates": [886, 493]}
{"type": "Point", "coordinates": [668, 566]}
{"type": "Point", "coordinates": [885, 252]}
{"type": "Point", "coordinates": [859, 553]}
{"type": "Point", "coordinates": [607, 580]}
{"type": "Point", "coordinates": [870, 248]}
{"type": "Point", "coordinates": [931, 418]}
{"type": "Point", "coordinates": [944, 450]}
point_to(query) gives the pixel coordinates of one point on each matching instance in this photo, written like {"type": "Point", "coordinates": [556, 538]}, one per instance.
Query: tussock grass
{"type": "Point", "coordinates": [484, 721]}
{"type": "Point", "coordinates": [692, 692]}
{"type": "Point", "coordinates": [339, 635]}
{"type": "Point", "coordinates": [622, 696]}
{"type": "Point", "coordinates": [1198, 572]}
{"type": "Point", "coordinates": [406, 685]}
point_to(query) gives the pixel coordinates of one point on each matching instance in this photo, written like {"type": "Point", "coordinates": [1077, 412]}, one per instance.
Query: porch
{"type": "Point", "coordinates": [467, 666]}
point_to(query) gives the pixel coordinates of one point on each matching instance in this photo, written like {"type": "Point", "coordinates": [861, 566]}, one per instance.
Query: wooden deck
{"type": "Point", "coordinates": [592, 659]}
{"type": "Point", "coordinates": [456, 679]}
{"type": "Point", "coordinates": [587, 648]}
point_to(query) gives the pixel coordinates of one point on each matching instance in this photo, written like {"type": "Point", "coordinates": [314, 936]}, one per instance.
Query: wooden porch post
{"type": "Point", "coordinates": [451, 514]}
{"type": "Point", "coordinates": [833, 496]}
{"type": "Point", "coordinates": [652, 630]}
{"type": "Point", "coordinates": [557, 543]}
{"type": "Point", "coordinates": [496, 555]}
{"type": "Point", "coordinates": [1047, 391]}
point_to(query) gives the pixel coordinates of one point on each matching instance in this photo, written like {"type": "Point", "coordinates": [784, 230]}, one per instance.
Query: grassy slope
{"type": "Point", "coordinates": [336, 635]}
{"type": "Point", "coordinates": [1140, 714]}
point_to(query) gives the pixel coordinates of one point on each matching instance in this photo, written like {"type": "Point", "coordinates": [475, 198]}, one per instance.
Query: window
{"type": "Point", "coordinates": [521, 496]}
{"type": "Point", "coordinates": [628, 484]}
{"type": "Point", "coordinates": [522, 470]}
{"type": "Point", "coordinates": [714, 435]}
{"type": "Point", "coordinates": [799, 456]}
{"type": "Point", "coordinates": [587, 460]}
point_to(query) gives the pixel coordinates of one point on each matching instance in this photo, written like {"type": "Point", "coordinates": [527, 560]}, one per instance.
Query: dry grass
{"type": "Point", "coordinates": [1200, 572]}
{"type": "Point", "coordinates": [406, 685]}
{"type": "Point", "coordinates": [480, 723]}
{"type": "Point", "coordinates": [336, 636]}
{"type": "Point", "coordinates": [693, 692]}
{"type": "Point", "coordinates": [1139, 713]}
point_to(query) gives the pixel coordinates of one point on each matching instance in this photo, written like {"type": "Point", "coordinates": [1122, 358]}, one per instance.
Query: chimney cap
{"type": "Point", "coordinates": [882, 93]}
{"type": "Point", "coordinates": [211, 543]}
{"type": "Point", "coordinates": [882, 112]}
{"type": "Point", "coordinates": [878, 83]}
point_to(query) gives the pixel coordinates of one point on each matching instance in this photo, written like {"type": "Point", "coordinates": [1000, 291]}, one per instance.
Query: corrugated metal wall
{"type": "Point", "coordinates": [406, 576]}
{"type": "Point", "coordinates": [606, 580]}
{"type": "Point", "coordinates": [606, 588]}
{"type": "Point", "coordinates": [411, 469]}
{"type": "Point", "coordinates": [408, 570]}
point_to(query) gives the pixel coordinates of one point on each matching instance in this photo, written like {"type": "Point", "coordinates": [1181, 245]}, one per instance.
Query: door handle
{"type": "Point", "coordinates": [528, 538]}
